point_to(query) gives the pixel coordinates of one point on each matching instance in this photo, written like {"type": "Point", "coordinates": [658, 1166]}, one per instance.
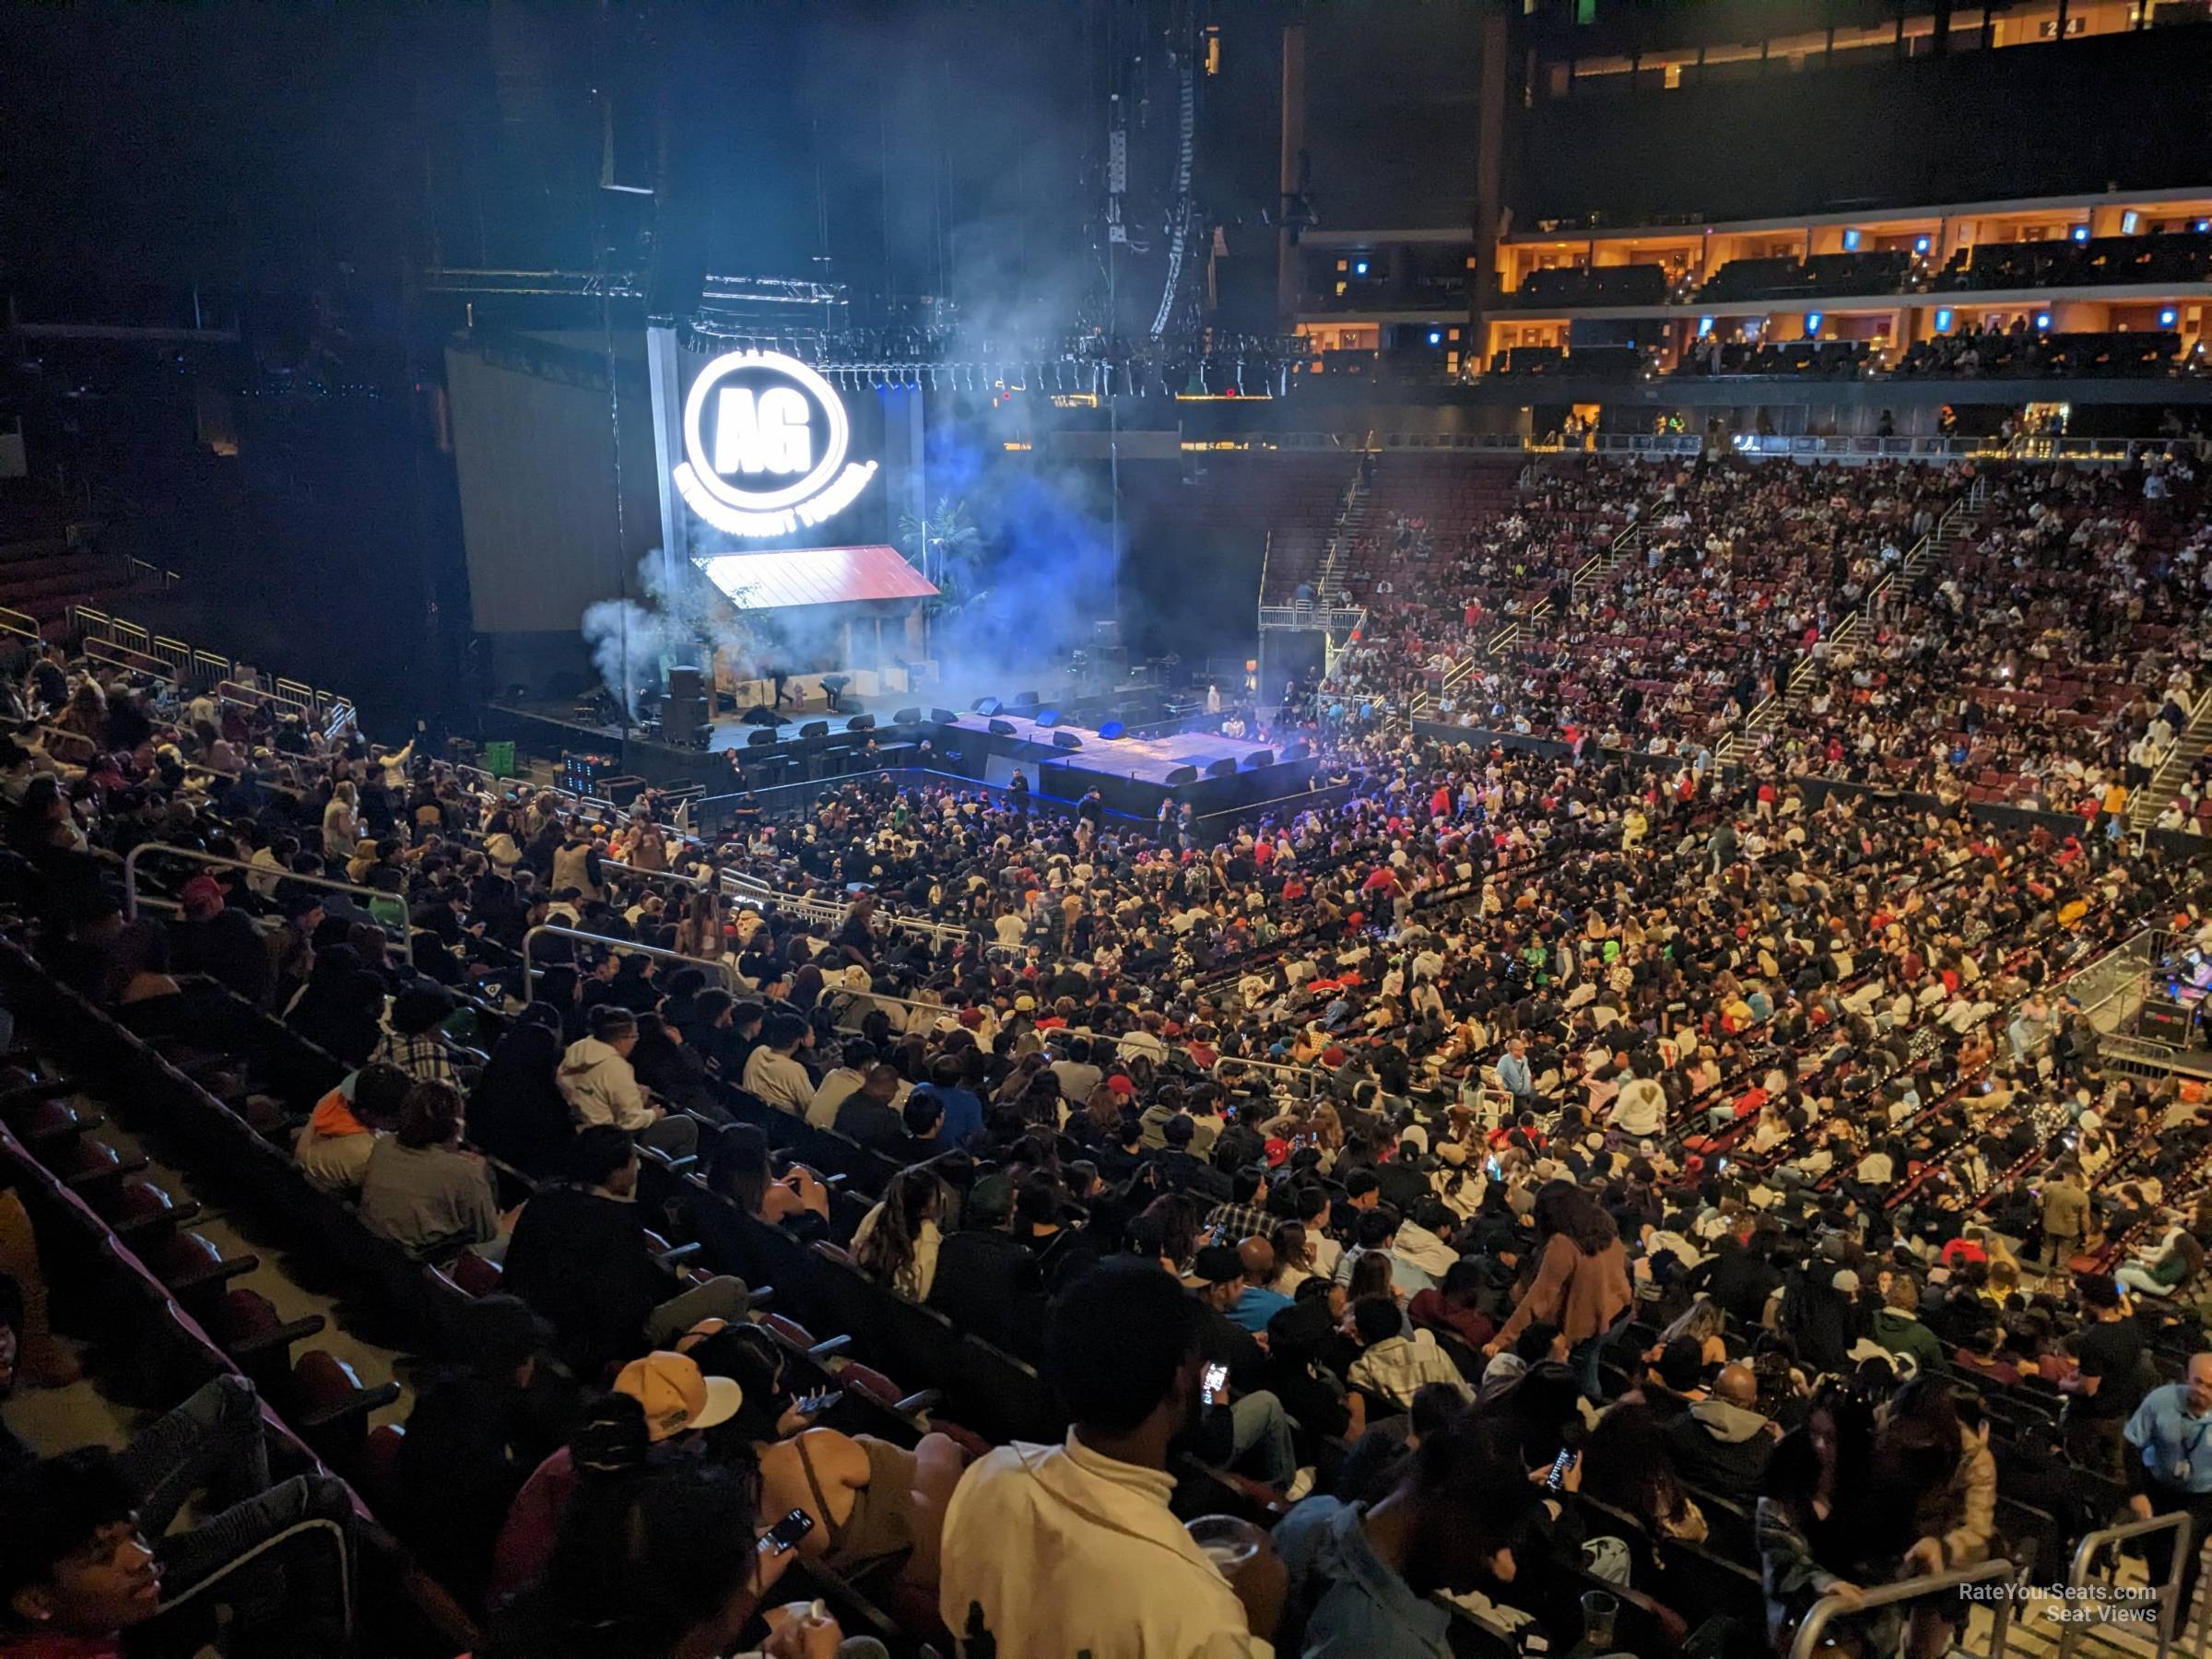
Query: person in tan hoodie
{"type": "Point", "coordinates": [334, 1144]}
{"type": "Point", "coordinates": [1582, 1279]}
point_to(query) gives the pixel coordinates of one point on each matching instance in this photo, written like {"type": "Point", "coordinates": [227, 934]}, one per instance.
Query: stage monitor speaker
{"type": "Point", "coordinates": [1224, 768]}
{"type": "Point", "coordinates": [1026, 699]}
{"type": "Point", "coordinates": [1181, 775]}
{"type": "Point", "coordinates": [1002, 728]}
{"type": "Point", "coordinates": [940, 716]}
{"type": "Point", "coordinates": [908, 716]}
{"type": "Point", "coordinates": [684, 682]}
{"type": "Point", "coordinates": [860, 723]}
{"type": "Point", "coordinates": [2164, 1021]}
{"type": "Point", "coordinates": [984, 706]}
{"type": "Point", "coordinates": [1259, 758]}
{"type": "Point", "coordinates": [682, 718]}
{"type": "Point", "coordinates": [815, 728]}
{"type": "Point", "coordinates": [1112, 730]}
{"type": "Point", "coordinates": [1297, 749]}
{"type": "Point", "coordinates": [1066, 740]}
{"type": "Point", "coordinates": [1048, 717]}
{"type": "Point", "coordinates": [760, 740]}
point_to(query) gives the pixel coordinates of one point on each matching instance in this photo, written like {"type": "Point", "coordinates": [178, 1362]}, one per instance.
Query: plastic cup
{"type": "Point", "coordinates": [1228, 1542]}
{"type": "Point", "coordinates": [1600, 1611]}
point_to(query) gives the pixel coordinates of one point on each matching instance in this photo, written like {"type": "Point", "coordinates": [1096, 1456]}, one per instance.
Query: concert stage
{"type": "Point", "coordinates": [1151, 759]}
{"type": "Point", "coordinates": [1133, 774]}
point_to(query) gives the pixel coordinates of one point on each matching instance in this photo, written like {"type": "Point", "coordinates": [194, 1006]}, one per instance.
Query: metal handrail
{"type": "Point", "coordinates": [856, 1003]}
{"type": "Point", "coordinates": [1818, 1617]}
{"type": "Point", "coordinates": [729, 974]}
{"type": "Point", "coordinates": [2172, 1614]}
{"type": "Point", "coordinates": [194, 855]}
{"type": "Point", "coordinates": [2165, 783]}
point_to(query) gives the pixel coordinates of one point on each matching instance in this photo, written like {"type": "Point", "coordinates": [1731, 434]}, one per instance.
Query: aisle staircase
{"type": "Point", "coordinates": [2189, 746]}
{"type": "Point", "coordinates": [1351, 525]}
{"type": "Point", "coordinates": [1281, 577]}
{"type": "Point", "coordinates": [1959, 526]}
{"type": "Point", "coordinates": [1594, 572]}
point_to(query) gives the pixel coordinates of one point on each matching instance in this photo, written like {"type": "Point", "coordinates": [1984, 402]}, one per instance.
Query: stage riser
{"type": "Point", "coordinates": [984, 757]}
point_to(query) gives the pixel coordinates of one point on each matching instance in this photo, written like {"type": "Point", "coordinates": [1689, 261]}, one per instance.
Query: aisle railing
{"type": "Point", "coordinates": [323, 883]}
{"type": "Point", "coordinates": [619, 947]}
{"type": "Point", "coordinates": [1829, 1608]}
{"type": "Point", "coordinates": [2082, 1591]}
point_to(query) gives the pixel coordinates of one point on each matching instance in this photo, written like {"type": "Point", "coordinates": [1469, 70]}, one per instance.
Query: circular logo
{"type": "Point", "coordinates": [764, 447]}
{"type": "Point", "coordinates": [763, 431]}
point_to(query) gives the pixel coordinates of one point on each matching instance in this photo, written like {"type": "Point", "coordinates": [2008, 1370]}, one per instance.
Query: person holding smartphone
{"type": "Point", "coordinates": [1058, 1550]}
{"type": "Point", "coordinates": [1257, 1424]}
{"type": "Point", "coordinates": [872, 1502]}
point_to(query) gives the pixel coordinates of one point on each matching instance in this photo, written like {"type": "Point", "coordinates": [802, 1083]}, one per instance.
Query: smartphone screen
{"type": "Point", "coordinates": [784, 1535]}
{"type": "Point", "coordinates": [1557, 1480]}
{"type": "Point", "coordinates": [1213, 1383]}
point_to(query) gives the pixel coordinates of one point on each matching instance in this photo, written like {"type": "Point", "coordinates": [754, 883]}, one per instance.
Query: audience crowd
{"type": "Point", "coordinates": [1514, 1194]}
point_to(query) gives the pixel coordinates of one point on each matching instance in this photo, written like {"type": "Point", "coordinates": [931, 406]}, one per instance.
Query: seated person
{"type": "Point", "coordinates": [874, 1505]}
{"type": "Point", "coordinates": [580, 1256]}
{"type": "Point", "coordinates": [666, 1568]}
{"type": "Point", "coordinates": [87, 1553]}
{"type": "Point", "coordinates": [420, 1190]}
{"type": "Point", "coordinates": [738, 1171]}
{"type": "Point", "coordinates": [334, 1144]}
{"type": "Point", "coordinates": [1392, 1365]}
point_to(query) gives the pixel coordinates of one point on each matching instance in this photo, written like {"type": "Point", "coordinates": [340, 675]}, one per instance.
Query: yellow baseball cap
{"type": "Point", "coordinates": [676, 1396]}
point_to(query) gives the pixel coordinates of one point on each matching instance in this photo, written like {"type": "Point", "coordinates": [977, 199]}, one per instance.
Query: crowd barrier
{"type": "Point", "coordinates": [121, 643]}
{"type": "Point", "coordinates": [402, 933]}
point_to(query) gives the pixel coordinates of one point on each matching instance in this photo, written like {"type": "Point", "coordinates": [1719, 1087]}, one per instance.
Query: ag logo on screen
{"type": "Point", "coordinates": [765, 446]}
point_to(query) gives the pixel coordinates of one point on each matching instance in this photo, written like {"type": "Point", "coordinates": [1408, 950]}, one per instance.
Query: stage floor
{"type": "Point", "coordinates": [729, 732]}
{"type": "Point", "coordinates": [1148, 759]}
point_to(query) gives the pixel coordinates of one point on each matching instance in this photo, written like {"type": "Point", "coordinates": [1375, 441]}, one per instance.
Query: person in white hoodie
{"type": "Point", "coordinates": [395, 765]}
{"type": "Point", "coordinates": [1052, 1551]}
{"type": "Point", "coordinates": [1639, 1110]}
{"type": "Point", "coordinates": [596, 1081]}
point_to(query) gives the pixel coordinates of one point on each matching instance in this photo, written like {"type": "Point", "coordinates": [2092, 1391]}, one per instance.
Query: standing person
{"type": "Point", "coordinates": [1069, 1548]}
{"type": "Point", "coordinates": [2066, 1215]}
{"type": "Point", "coordinates": [341, 824]}
{"type": "Point", "coordinates": [1582, 1279]}
{"type": "Point", "coordinates": [1512, 1073]}
{"type": "Point", "coordinates": [2108, 1351]}
{"type": "Point", "coordinates": [474, 1436]}
{"type": "Point", "coordinates": [2169, 1443]}
{"type": "Point", "coordinates": [648, 844]}
{"type": "Point", "coordinates": [1938, 1475]}
{"type": "Point", "coordinates": [1815, 1513]}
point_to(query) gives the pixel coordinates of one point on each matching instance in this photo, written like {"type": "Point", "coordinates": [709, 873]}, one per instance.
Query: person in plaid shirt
{"type": "Point", "coordinates": [413, 1043]}
{"type": "Point", "coordinates": [1245, 1216]}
